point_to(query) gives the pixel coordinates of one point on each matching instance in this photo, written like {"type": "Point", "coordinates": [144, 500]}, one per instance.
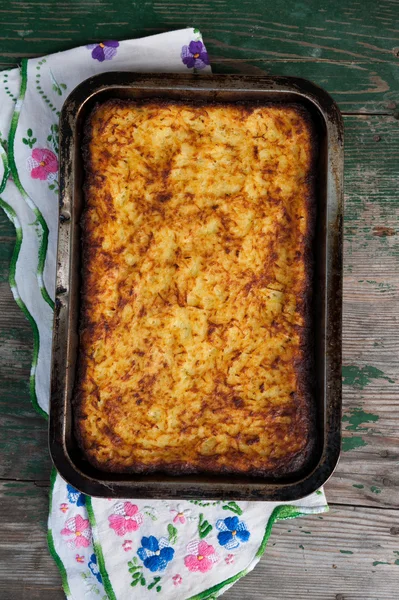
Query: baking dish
{"type": "Point", "coordinates": [326, 285]}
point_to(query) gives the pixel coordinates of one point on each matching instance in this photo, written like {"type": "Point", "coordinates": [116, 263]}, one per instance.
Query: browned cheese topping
{"type": "Point", "coordinates": [196, 235]}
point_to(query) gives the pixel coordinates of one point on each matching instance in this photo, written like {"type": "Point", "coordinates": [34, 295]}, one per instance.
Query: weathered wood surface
{"type": "Point", "coordinates": [370, 339]}
{"type": "Point", "coordinates": [351, 49]}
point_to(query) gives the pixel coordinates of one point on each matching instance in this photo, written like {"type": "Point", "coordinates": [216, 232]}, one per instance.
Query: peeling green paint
{"type": "Point", "coordinates": [379, 562]}
{"type": "Point", "coordinates": [361, 376]}
{"type": "Point", "coordinates": [375, 489]}
{"type": "Point", "coordinates": [17, 489]}
{"type": "Point", "coordinates": [357, 417]}
{"type": "Point", "coordinates": [307, 532]}
{"type": "Point", "coordinates": [346, 552]}
{"type": "Point", "coordinates": [302, 547]}
{"type": "Point", "coordinates": [352, 443]}
{"type": "Point", "coordinates": [359, 486]}
{"type": "Point", "coordinates": [397, 562]}
{"type": "Point", "coordinates": [380, 284]}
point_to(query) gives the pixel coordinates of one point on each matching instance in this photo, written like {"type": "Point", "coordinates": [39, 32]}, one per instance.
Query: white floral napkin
{"type": "Point", "coordinates": [106, 548]}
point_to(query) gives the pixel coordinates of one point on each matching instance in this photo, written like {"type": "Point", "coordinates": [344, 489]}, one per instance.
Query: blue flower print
{"type": "Point", "coordinates": [93, 566]}
{"type": "Point", "coordinates": [75, 497]}
{"type": "Point", "coordinates": [232, 532]}
{"type": "Point", "coordinates": [155, 554]}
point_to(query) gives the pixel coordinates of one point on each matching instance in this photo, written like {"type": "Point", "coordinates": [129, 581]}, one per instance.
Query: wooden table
{"type": "Point", "coordinates": [352, 50]}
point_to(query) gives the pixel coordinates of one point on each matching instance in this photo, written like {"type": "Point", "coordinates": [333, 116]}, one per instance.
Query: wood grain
{"type": "Point", "coordinates": [330, 558]}
{"type": "Point", "coordinates": [352, 50]}
{"type": "Point", "coordinates": [27, 571]}
{"type": "Point", "coordinates": [370, 338]}
{"type": "Point", "coordinates": [23, 433]}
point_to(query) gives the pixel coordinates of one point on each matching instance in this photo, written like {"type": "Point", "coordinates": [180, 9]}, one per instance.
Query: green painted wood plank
{"type": "Point", "coordinates": [27, 571]}
{"type": "Point", "coordinates": [370, 333]}
{"type": "Point", "coordinates": [351, 50]}
{"type": "Point", "coordinates": [6, 229]}
{"type": "Point", "coordinates": [23, 434]}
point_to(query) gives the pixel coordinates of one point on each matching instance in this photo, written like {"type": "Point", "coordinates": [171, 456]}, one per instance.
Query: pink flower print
{"type": "Point", "coordinates": [79, 558]}
{"type": "Point", "coordinates": [126, 518]}
{"type": "Point", "coordinates": [64, 507]}
{"type": "Point", "coordinates": [229, 559]}
{"type": "Point", "coordinates": [180, 515]}
{"type": "Point", "coordinates": [43, 164]}
{"type": "Point", "coordinates": [127, 545]}
{"type": "Point", "coordinates": [79, 528]}
{"type": "Point", "coordinates": [201, 556]}
{"type": "Point", "coordinates": [177, 579]}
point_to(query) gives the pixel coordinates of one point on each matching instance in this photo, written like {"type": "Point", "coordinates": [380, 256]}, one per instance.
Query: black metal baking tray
{"type": "Point", "coordinates": [327, 285]}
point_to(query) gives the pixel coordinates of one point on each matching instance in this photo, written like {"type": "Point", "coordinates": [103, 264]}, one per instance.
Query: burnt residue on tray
{"type": "Point", "coordinates": [321, 310]}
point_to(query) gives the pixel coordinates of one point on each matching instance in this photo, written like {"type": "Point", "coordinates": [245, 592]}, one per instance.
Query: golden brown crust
{"type": "Point", "coordinates": [195, 350]}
